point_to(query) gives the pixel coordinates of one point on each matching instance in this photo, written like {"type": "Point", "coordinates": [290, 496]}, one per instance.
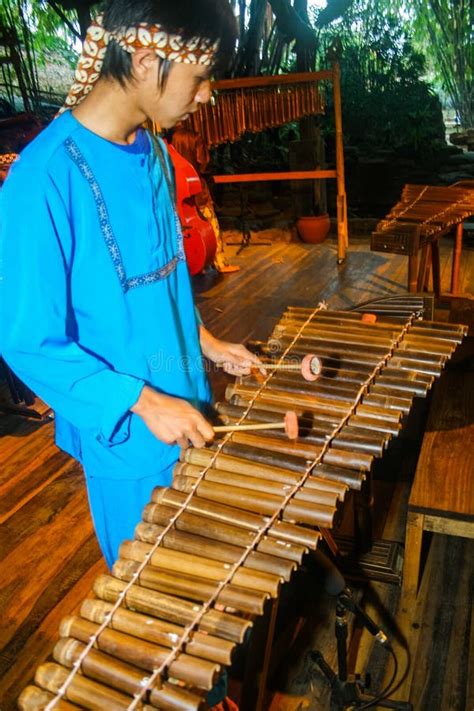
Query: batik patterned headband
{"type": "Point", "coordinates": [141, 36]}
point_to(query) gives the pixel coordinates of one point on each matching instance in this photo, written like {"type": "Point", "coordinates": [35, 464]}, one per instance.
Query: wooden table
{"type": "Point", "coordinates": [442, 496]}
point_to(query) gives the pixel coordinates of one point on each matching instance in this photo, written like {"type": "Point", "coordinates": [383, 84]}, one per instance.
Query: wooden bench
{"type": "Point", "coordinates": [442, 496]}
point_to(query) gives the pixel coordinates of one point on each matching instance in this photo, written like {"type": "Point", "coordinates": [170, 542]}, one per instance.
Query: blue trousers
{"type": "Point", "coordinates": [116, 507]}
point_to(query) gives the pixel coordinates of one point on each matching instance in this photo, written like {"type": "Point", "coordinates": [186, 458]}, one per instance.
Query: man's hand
{"type": "Point", "coordinates": [172, 420]}
{"type": "Point", "coordinates": [234, 358]}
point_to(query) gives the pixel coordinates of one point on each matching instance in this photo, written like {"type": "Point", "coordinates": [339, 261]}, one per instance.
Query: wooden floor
{"type": "Point", "coordinates": [48, 551]}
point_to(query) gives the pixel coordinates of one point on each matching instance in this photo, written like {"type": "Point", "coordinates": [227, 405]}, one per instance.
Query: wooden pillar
{"type": "Point", "coordinates": [413, 273]}
{"type": "Point", "coordinates": [436, 268]}
{"type": "Point", "coordinates": [411, 564]}
{"type": "Point", "coordinates": [457, 249]}
{"type": "Point", "coordinates": [422, 270]}
{"type": "Point", "coordinates": [342, 229]}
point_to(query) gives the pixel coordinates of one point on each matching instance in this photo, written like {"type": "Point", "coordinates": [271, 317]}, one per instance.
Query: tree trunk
{"type": "Point", "coordinates": [249, 61]}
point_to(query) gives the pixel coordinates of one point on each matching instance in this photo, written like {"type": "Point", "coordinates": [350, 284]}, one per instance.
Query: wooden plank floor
{"type": "Point", "coordinates": [48, 553]}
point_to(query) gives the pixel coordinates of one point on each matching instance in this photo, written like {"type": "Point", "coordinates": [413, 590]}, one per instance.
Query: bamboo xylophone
{"type": "Point", "coordinates": [241, 514]}
{"type": "Point", "coordinates": [423, 215]}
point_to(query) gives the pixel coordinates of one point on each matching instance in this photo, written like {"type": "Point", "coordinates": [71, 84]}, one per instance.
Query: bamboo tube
{"type": "Point", "coordinates": [206, 646]}
{"type": "Point", "coordinates": [389, 401]}
{"type": "Point", "coordinates": [351, 460]}
{"type": "Point", "coordinates": [100, 666]}
{"type": "Point", "coordinates": [120, 676]}
{"type": "Point", "coordinates": [334, 336]}
{"type": "Point", "coordinates": [172, 609]}
{"type": "Point", "coordinates": [389, 382]}
{"type": "Point", "coordinates": [415, 377]}
{"type": "Point", "coordinates": [226, 552]}
{"type": "Point", "coordinates": [32, 698]}
{"type": "Point", "coordinates": [326, 350]}
{"type": "Point", "coordinates": [399, 362]}
{"type": "Point", "coordinates": [297, 511]}
{"type": "Point", "coordinates": [314, 431]}
{"type": "Point", "coordinates": [322, 387]}
{"type": "Point", "coordinates": [334, 325]}
{"type": "Point", "coordinates": [191, 587]}
{"type": "Point", "coordinates": [203, 457]}
{"type": "Point", "coordinates": [84, 692]}
{"type": "Point", "coordinates": [123, 677]}
{"type": "Point", "coordinates": [392, 400]}
{"type": "Point", "coordinates": [362, 422]}
{"type": "Point", "coordinates": [256, 454]}
{"type": "Point", "coordinates": [201, 567]}
{"type": "Point", "coordinates": [435, 346]}
{"type": "Point", "coordinates": [398, 397]}
{"type": "Point", "coordinates": [200, 458]}
{"type": "Point", "coordinates": [349, 438]}
{"type": "Point", "coordinates": [380, 333]}
{"type": "Point", "coordinates": [230, 514]}
{"type": "Point", "coordinates": [251, 463]}
{"type": "Point", "coordinates": [310, 494]}
{"type": "Point", "coordinates": [419, 358]}
{"type": "Point", "coordinates": [352, 479]}
{"type": "Point", "coordinates": [264, 457]}
{"type": "Point", "coordinates": [453, 329]}
{"type": "Point", "coordinates": [311, 403]}
{"type": "Point", "coordinates": [223, 532]}
{"type": "Point", "coordinates": [360, 333]}
{"type": "Point", "coordinates": [313, 492]}
{"type": "Point", "coordinates": [357, 353]}
{"type": "Point", "coordinates": [367, 423]}
{"type": "Point", "coordinates": [141, 653]}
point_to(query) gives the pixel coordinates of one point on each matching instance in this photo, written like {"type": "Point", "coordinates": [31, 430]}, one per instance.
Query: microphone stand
{"type": "Point", "coordinates": [347, 690]}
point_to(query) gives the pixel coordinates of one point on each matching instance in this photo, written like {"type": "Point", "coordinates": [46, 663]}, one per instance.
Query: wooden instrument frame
{"type": "Point", "coordinates": [332, 75]}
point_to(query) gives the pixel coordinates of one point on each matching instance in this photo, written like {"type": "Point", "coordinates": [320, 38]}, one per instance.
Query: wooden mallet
{"type": "Point", "coordinates": [289, 424]}
{"type": "Point", "coordinates": [310, 367]}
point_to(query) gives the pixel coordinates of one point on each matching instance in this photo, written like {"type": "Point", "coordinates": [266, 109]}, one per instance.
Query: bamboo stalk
{"type": "Point", "coordinates": [320, 495]}
{"type": "Point", "coordinates": [123, 677]}
{"type": "Point", "coordinates": [350, 460]}
{"type": "Point", "coordinates": [141, 653]}
{"type": "Point", "coordinates": [171, 609]}
{"type": "Point", "coordinates": [191, 587]}
{"type": "Point", "coordinates": [226, 552]}
{"type": "Point", "coordinates": [311, 403]}
{"type": "Point", "coordinates": [223, 532]}
{"type": "Point", "coordinates": [32, 698]}
{"type": "Point", "coordinates": [82, 691]}
{"type": "Point", "coordinates": [363, 422]}
{"type": "Point", "coordinates": [295, 511]}
{"type": "Point", "coordinates": [231, 514]}
{"type": "Point", "coordinates": [201, 567]}
{"type": "Point", "coordinates": [206, 646]}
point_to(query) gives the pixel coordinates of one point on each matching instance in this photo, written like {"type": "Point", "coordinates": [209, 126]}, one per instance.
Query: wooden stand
{"type": "Point", "coordinates": [333, 76]}
{"type": "Point", "coordinates": [415, 225]}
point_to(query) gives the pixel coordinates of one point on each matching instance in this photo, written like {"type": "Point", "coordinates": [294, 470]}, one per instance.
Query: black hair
{"type": "Point", "coordinates": [208, 20]}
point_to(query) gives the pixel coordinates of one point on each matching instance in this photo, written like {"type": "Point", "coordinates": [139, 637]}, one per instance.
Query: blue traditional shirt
{"type": "Point", "coordinates": [95, 294]}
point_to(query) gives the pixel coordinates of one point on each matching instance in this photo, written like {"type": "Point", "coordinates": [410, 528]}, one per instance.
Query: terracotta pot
{"type": "Point", "coordinates": [313, 230]}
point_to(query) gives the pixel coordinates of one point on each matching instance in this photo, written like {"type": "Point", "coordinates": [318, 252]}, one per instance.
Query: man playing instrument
{"type": "Point", "coordinates": [96, 310]}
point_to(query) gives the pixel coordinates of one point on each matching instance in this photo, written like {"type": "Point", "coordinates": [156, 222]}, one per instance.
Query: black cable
{"type": "Point", "coordinates": [384, 693]}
